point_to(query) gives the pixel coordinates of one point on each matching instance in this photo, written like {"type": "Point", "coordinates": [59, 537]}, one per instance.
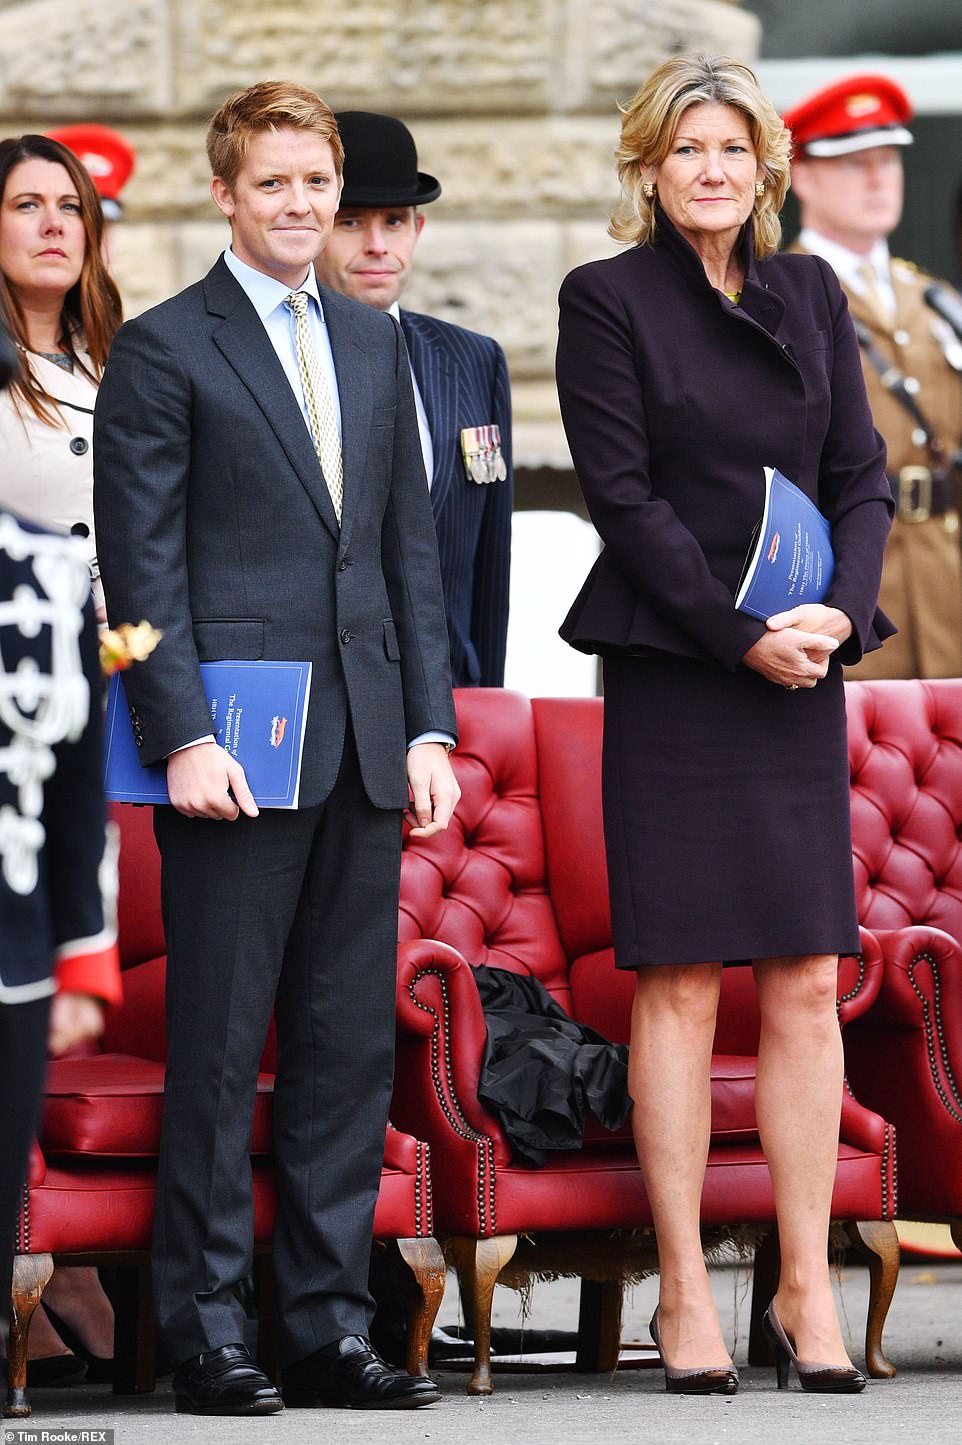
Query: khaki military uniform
{"type": "Point", "coordinates": [922, 572]}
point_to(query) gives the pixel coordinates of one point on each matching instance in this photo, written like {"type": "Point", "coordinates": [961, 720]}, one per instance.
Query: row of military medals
{"type": "Point", "coordinates": [481, 450]}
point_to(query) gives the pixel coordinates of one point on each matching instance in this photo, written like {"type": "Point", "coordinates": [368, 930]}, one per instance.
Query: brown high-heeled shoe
{"type": "Point", "coordinates": [822, 1379]}
{"type": "Point", "coordinates": [714, 1380]}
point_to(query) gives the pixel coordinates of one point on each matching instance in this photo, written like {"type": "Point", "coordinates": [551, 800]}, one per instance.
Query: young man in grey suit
{"type": "Point", "coordinates": [460, 386]}
{"type": "Point", "coordinates": [260, 487]}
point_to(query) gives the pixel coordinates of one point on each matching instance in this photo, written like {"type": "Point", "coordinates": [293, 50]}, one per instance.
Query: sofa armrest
{"type": "Point", "coordinates": [439, 1007]}
{"type": "Point", "coordinates": [36, 1174]}
{"type": "Point", "coordinates": [420, 959]}
{"type": "Point", "coordinates": [400, 1150]}
{"type": "Point", "coordinates": [36, 1166]}
{"type": "Point", "coordinates": [904, 1059]}
{"type": "Point", "coordinates": [440, 1044]}
{"type": "Point", "coordinates": [860, 979]}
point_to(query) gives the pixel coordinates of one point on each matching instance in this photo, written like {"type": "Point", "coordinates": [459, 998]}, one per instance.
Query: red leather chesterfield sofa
{"type": "Point", "coordinates": [905, 1057]}
{"type": "Point", "coordinates": [90, 1194]}
{"type": "Point", "coordinates": [518, 882]}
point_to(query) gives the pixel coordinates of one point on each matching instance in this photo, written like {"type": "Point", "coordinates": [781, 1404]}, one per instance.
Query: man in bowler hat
{"type": "Point", "coordinates": [848, 141]}
{"type": "Point", "coordinates": [460, 387]}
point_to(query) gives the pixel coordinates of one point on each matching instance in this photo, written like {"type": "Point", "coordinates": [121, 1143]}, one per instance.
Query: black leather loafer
{"type": "Point", "coordinates": [224, 1382]}
{"type": "Point", "coordinates": [356, 1378]}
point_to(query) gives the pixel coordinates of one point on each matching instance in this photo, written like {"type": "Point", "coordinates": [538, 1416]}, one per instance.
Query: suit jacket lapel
{"type": "Point", "coordinates": [438, 384]}
{"type": "Point", "coordinates": [245, 344]}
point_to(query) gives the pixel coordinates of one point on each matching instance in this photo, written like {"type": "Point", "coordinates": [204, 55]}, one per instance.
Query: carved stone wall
{"type": "Point", "coordinates": [512, 103]}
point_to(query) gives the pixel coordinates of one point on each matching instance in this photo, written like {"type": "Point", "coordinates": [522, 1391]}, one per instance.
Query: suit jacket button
{"type": "Point", "coordinates": [345, 635]}
{"type": "Point", "coordinates": [79, 445]}
{"type": "Point", "coordinates": [343, 565]}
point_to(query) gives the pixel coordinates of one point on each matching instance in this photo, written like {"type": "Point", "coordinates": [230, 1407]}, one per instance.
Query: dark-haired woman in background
{"type": "Point", "coordinates": [62, 309]}
{"type": "Point", "coordinates": [686, 365]}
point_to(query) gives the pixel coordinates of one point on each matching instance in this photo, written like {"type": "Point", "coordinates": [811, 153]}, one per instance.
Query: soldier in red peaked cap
{"type": "Point", "coordinates": [847, 174]}
{"type": "Point", "coordinates": [109, 158]}
{"type": "Point", "coordinates": [852, 115]}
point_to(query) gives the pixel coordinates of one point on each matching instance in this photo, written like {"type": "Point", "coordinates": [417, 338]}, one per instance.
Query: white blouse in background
{"type": "Point", "coordinates": [46, 472]}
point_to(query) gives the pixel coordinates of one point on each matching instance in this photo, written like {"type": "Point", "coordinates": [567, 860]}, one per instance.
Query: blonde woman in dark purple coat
{"type": "Point", "coordinates": [686, 365]}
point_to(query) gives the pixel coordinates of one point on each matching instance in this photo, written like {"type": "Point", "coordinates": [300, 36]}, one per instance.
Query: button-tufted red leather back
{"type": "Point", "coordinates": [905, 754]}
{"type": "Point", "coordinates": [140, 930]}
{"type": "Point", "coordinates": [568, 732]}
{"type": "Point", "coordinates": [481, 886]}
{"type": "Point", "coordinates": [518, 881]}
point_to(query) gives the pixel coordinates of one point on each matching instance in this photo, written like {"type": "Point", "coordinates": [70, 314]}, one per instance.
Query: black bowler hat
{"type": "Point", "coordinates": [381, 162]}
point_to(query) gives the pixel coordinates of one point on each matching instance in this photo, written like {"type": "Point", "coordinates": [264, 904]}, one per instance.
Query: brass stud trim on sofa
{"type": "Point", "coordinates": [954, 1106]}
{"type": "Point", "coordinates": [890, 1191]}
{"type": "Point", "coordinates": [423, 1201]}
{"type": "Point", "coordinates": [21, 1242]}
{"type": "Point", "coordinates": [853, 992]}
{"type": "Point", "coordinates": [449, 1102]}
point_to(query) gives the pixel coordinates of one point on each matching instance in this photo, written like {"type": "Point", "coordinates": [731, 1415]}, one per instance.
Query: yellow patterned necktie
{"type": "Point", "coordinates": [320, 407]}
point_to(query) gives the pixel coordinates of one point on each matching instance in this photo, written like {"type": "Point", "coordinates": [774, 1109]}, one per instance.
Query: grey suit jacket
{"type": "Point", "coordinates": [218, 528]}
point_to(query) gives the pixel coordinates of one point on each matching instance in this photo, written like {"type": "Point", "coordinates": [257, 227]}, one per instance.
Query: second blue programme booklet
{"type": "Point", "coordinates": [790, 560]}
{"type": "Point", "coordinates": [258, 713]}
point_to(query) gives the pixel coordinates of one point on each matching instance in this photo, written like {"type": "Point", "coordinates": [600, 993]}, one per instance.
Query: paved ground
{"type": "Point", "coordinates": [922, 1404]}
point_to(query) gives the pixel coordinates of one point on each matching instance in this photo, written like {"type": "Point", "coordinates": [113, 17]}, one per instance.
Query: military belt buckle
{"type": "Point", "coordinates": [915, 494]}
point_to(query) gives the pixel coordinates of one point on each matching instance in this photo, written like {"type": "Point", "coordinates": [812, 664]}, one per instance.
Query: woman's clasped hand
{"type": "Point", "coordinates": [798, 646]}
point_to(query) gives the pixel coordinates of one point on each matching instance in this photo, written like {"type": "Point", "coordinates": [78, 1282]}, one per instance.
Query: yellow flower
{"type": "Point", "coordinates": [126, 644]}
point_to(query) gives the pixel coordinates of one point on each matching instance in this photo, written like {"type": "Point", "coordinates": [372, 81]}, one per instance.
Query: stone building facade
{"type": "Point", "coordinates": [512, 103]}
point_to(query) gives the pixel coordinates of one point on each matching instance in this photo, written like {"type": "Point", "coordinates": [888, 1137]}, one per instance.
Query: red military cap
{"type": "Point", "coordinates": [853, 114]}
{"type": "Point", "coordinates": [107, 156]}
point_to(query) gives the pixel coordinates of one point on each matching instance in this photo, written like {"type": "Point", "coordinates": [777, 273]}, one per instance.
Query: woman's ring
{"type": "Point", "coordinates": [791, 687]}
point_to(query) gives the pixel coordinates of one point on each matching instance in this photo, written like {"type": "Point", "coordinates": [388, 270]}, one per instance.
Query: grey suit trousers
{"type": "Point", "coordinates": [276, 910]}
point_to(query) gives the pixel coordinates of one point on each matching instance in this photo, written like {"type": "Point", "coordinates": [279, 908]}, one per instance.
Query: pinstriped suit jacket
{"type": "Point", "coordinates": [463, 379]}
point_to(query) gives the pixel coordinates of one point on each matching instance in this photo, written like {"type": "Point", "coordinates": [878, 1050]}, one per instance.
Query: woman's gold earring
{"type": "Point", "coordinates": [648, 190]}
{"type": "Point", "coordinates": [759, 189]}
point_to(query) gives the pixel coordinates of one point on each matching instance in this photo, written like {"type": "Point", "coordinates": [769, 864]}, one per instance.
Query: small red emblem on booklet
{"type": "Point", "coordinates": [773, 547]}
{"type": "Point", "coordinates": [278, 728]}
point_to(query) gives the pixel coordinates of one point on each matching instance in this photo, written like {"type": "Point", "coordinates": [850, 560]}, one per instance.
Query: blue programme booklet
{"type": "Point", "coordinates": [258, 713]}
{"type": "Point", "coordinates": [790, 560]}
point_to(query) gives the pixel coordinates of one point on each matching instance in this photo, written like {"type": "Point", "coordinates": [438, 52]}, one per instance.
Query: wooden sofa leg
{"type": "Point", "coordinates": [877, 1240]}
{"type": "Point", "coordinates": [425, 1260]}
{"type": "Point", "coordinates": [764, 1285]}
{"type": "Point", "coordinates": [599, 1326]}
{"type": "Point", "coordinates": [478, 1263]}
{"type": "Point", "coordinates": [30, 1275]}
{"type": "Point", "coordinates": [135, 1332]}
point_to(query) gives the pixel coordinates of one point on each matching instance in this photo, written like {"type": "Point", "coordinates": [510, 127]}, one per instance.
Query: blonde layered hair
{"type": "Point", "coordinates": [651, 119]}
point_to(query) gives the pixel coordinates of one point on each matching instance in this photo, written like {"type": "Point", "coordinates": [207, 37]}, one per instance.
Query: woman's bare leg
{"type": "Point", "coordinates": [798, 1101]}
{"type": "Point", "coordinates": [672, 1030]}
